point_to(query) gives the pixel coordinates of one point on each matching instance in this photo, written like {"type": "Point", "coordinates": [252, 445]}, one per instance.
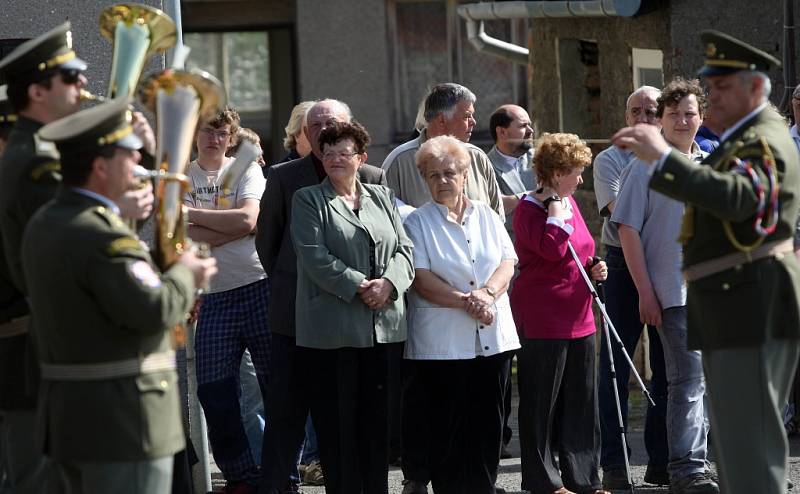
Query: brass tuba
{"type": "Point", "coordinates": [178, 98]}
{"type": "Point", "coordinates": [137, 32]}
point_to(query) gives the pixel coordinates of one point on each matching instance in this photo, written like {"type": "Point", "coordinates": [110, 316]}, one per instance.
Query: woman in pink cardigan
{"type": "Point", "coordinates": [552, 308]}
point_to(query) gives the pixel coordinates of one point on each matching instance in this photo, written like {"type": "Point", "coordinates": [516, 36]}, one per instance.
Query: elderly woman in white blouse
{"type": "Point", "coordinates": [460, 332]}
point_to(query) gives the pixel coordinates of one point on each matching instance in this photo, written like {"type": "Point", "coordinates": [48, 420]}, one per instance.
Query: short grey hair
{"type": "Point", "coordinates": [642, 90]}
{"type": "Point", "coordinates": [747, 76]}
{"type": "Point", "coordinates": [443, 99]}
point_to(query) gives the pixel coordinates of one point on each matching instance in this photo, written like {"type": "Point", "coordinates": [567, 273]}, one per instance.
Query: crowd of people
{"type": "Point", "coordinates": [347, 305]}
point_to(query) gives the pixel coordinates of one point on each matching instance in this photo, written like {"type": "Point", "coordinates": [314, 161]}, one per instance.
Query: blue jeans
{"type": "Point", "coordinates": [252, 406]}
{"type": "Point", "coordinates": [310, 448]}
{"type": "Point", "coordinates": [622, 303]}
{"type": "Point", "coordinates": [687, 417]}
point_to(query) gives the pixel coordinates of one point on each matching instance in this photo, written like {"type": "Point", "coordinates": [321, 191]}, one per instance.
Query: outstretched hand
{"type": "Point", "coordinates": [644, 140]}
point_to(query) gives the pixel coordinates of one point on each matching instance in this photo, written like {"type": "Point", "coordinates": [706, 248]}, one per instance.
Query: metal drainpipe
{"type": "Point", "coordinates": [475, 13]}
{"type": "Point", "coordinates": [789, 75]}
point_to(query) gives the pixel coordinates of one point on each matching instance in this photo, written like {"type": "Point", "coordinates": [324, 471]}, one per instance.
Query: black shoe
{"type": "Point", "coordinates": [414, 487]}
{"type": "Point", "coordinates": [656, 475]}
{"type": "Point", "coordinates": [789, 484]}
{"type": "Point", "coordinates": [505, 453]}
{"type": "Point", "coordinates": [615, 478]}
{"type": "Point", "coordinates": [696, 483]}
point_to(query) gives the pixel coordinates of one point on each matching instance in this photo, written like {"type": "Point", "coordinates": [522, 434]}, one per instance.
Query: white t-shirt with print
{"type": "Point", "coordinates": [237, 260]}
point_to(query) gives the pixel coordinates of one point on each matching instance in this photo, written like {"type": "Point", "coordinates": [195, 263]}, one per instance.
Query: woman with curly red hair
{"type": "Point", "coordinates": [552, 309]}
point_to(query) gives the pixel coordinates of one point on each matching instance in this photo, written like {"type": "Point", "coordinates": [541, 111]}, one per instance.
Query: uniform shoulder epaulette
{"type": "Point", "coordinates": [45, 149]}
{"type": "Point", "coordinates": [125, 245]}
{"type": "Point", "coordinates": [47, 168]}
{"type": "Point", "coordinates": [108, 216]}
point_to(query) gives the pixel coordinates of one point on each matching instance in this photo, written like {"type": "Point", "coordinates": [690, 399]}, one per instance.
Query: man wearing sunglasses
{"type": "Point", "coordinates": [45, 78]}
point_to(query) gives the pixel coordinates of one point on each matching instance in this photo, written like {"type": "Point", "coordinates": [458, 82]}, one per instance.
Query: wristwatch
{"type": "Point", "coordinates": [550, 199]}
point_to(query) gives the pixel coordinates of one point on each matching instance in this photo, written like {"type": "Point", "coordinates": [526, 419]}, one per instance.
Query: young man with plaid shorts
{"type": "Point", "coordinates": [232, 316]}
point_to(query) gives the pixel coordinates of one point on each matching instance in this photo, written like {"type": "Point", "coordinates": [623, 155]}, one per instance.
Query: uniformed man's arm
{"type": "Point", "coordinates": [726, 195]}
{"type": "Point", "coordinates": [40, 185]}
{"type": "Point", "coordinates": [130, 290]}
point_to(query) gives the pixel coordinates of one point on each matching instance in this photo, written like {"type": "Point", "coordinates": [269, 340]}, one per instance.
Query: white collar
{"type": "Point", "coordinates": [738, 124]}
{"type": "Point", "coordinates": [98, 197]}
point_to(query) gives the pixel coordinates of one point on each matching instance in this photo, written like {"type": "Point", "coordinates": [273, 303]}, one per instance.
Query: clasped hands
{"type": "Point", "coordinates": [479, 305]}
{"type": "Point", "coordinates": [375, 293]}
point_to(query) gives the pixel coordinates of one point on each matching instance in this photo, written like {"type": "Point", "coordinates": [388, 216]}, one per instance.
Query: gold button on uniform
{"type": "Point", "coordinates": [726, 286]}
{"type": "Point", "coordinates": [164, 384]}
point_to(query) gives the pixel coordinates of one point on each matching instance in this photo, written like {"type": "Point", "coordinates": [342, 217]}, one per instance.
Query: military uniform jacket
{"type": "Point", "coordinates": [97, 298]}
{"type": "Point", "coordinates": [752, 302]}
{"type": "Point", "coordinates": [29, 177]}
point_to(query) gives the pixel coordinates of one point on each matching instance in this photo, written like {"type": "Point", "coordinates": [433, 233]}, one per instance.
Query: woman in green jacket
{"type": "Point", "coordinates": [354, 264]}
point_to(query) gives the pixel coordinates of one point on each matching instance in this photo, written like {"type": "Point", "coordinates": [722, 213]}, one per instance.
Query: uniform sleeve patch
{"type": "Point", "coordinates": [144, 273]}
{"type": "Point", "coordinates": [124, 244]}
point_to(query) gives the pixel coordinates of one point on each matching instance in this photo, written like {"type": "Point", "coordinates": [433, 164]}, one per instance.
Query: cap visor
{"type": "Point", "coordinates": [130, 141]}
{"type": "Point", "coordinates": [76, 63]}
{"type": "Point", "coordinates": [709, 71]}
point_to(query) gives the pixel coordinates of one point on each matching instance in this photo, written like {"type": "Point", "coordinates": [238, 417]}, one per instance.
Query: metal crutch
{"type": "Point", "coordinates": [608, 330]}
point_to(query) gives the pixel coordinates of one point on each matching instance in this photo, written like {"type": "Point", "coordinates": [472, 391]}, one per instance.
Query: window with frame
{"type": "Point", "coordinates": [240, 60]}
{"type": "Point", "coordinates": [431, 46]}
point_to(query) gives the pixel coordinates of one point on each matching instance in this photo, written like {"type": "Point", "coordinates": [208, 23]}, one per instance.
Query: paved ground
{"type": "Point", "coordinates": [510, 477]}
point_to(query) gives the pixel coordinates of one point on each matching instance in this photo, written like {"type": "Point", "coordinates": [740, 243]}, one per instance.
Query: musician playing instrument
{"type": "Point", "coordinates": [109, 411]}
{"type": "Point", "coordinates": [45, 78]}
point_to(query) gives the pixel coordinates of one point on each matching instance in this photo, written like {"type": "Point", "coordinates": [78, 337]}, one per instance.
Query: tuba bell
{"type": "Point", "coordinates": [136, 32]}
{"type": "Point", "coordinates": [178, 98]}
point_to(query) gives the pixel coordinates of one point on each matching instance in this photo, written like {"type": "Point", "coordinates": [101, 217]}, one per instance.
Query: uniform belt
{"type": "Point", "coordinates": [714, 266]}
{"type": "Point", "coordinates": [14, 327]}
{"type": "Point", "coordinates": [154, 362]}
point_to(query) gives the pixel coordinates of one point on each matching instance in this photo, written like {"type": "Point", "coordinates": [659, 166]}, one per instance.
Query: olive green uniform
{"type": "Point", "coordinates": [28, 178]}
{"type": "Point", "coordinates": [745, 319]}
{"type": "Point", "coordinates": [98, 300]}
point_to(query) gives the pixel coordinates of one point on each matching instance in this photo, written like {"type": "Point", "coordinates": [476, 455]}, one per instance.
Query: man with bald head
{"type": "Point", "coordinates": [288, 403]}
{"type": "Point", "coordinates": [622, 301]}
{"type": "Point", "coordinates": [512, 156]}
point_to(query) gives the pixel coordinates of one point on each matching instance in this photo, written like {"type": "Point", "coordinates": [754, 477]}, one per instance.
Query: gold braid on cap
{"type": "Point", "coordinates": [115, 136]}
{"type": "Point", "coordinates": [729, 63]}
{"type": "Point", "coordinates": [57, 60]}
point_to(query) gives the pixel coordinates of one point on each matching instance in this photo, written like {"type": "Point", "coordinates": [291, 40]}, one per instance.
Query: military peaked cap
{"type": "Point", "coordinates": [107, 124]}
{"type": "Point", "coordinates": [39, 58]}
{"type": "Point", "coordinates": [726, 55]}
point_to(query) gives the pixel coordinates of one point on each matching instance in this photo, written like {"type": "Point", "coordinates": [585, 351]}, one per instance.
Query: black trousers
{"type": "Point", "coordinates": [287, 409]}
{"type": "Point", "coordinates": [350, 409]}
{"type": "Point", "coordinates": [558, 415]}
{"type": "Point", "coordinates": [453, 422]}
